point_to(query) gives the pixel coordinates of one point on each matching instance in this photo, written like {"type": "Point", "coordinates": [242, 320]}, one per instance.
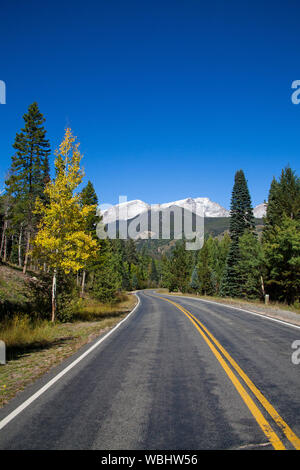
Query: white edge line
{"type": "Point", "coordinates": [37, 394]}
{"type": "Point", "coordinates": [237, 308]}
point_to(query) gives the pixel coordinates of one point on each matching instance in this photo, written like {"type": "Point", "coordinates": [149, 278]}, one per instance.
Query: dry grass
{"type": "Point", "coordinates": [21, 332]}
{"type": "Point", "coordinates": [91, 309]}
{"type": "Point", "coordinates": [33, 348]}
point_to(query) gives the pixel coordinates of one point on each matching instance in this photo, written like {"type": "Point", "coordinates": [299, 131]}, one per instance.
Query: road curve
{"type": "Point", "coordinates": [178, 374]}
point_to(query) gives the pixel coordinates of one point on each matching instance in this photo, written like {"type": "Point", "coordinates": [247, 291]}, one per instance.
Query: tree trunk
{"type": "Point", "coordinates": [26, 254]}
{"type": "Point", "coordinates": [262, 285]}
{"type": "Point", "coordinates": [5, 249]}
{"type": "Point", "coordinates": [11, 249]}
{"type": "Point", "coordinates": [83, 283]}
{"type": "Point", "coordinates": [3, 236]}
{"type": "Point", "coordinates": [53, 297]}
{"type": "Point", "coordinates": [19, 247]}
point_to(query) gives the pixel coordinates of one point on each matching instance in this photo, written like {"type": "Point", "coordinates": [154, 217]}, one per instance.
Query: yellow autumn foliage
{"type": "Point", "coordinates": [62, 240]}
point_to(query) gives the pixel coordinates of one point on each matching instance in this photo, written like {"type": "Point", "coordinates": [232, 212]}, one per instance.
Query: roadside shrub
{"type": "Point", "coordinates": [66, 296]}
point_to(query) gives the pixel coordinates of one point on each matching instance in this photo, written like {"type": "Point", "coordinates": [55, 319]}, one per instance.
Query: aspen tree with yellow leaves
{"type": "Point", "coordinates": [62, 240]}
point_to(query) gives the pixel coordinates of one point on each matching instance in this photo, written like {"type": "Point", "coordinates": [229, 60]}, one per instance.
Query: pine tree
{"type": "Point", "coordinates": [194, 284]}
{"type": "Point", "coordinates": [107, 280]}
{"type": "Point", "coordinates": [153, 273]}
{"type": "Point", "coordinates": [140, 279]}
{"type": "Point", "coordinates": [120, 250]}
{"type": "Point", "coordinates": [143, 273]}
{"type": "Point", "coordinates": [218, 268]}
{"type": "Point", "coordinates": [179, 267]}
{"type": "Point", "coordinates": [204, 271]}
{"type": "Point", "coordinates": [62, 240]}
{"type": "Point", "coordinates": [231, 280]}
{"type": "Point", "coordinates": [281, 221]}
{"type": "Point", "coordinates": [283, 200]}
{"type": "Point", "coordinates": [289, 194]}
{"type": "Point", "coordinates": [215, 261]}
{"type": "Point", "coordinates": [282, 253]}
{"type": "Point", "coordinates": [241, 212]}
{"type": "Point", "coordinates": [274, 211]}
{"type": "Point", "coordinates": [251, 266]}
{"type": "Point", "coordinates": [131, 253]}
{"type": "Point", "coordinates": [165, 272]}
{"type": "Point", "coordinates": [134, 281]}
{"type": "Point", "coordinates": [89, 198]}
{"type": "Point", "coordinates": [28, 174]}
{"type": "Point", "coordinates": [241, 219]}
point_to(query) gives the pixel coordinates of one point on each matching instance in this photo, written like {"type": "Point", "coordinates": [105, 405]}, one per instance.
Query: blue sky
{"type": "Point", "coordinates": [168, 98]}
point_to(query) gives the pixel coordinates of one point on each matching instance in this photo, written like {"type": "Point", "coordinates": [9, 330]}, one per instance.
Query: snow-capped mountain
{"type": "Point", "coordinates": [124, 211]}
{"type": "Point", "coordinates": [260, 210]}
{"type": "Point", "coordinates": [130, 209]}
{"type": "Point", "coordinates": [210, 208]}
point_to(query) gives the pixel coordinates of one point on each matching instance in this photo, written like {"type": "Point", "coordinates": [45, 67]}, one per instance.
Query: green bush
{"type": "Point", "coordinates": [66, 296]}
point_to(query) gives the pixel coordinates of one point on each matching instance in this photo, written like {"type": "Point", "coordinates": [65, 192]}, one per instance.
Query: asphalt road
{"type": "Point", "coordinates": [161, 381]}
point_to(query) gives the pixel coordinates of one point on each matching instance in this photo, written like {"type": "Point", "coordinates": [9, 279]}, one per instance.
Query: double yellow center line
{"type": "Point", "coordinates": [221, 353]}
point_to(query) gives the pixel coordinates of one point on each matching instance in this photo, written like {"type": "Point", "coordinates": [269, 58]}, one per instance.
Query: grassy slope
{"type": "Point", "coordinates": [13, 288]}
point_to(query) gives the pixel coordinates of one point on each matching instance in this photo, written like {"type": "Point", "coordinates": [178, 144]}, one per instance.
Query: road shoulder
{"type": "Point", "coordinates": [259, 309]}
{"type": "Point", "coordinates": [27, 370]}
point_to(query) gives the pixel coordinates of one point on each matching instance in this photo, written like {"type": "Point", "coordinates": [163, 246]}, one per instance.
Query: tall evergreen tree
{"type": "Point", "coordinates": [119, 251]}
{"type": "Point", "coordinates": [179, 267]}
{"type": "Point", "coordinates": [89, 198]}
{"type": "Point", "coordinates": [194, 283]}
{"type": "Point", "coordinates": [281, 237]}
{"type": "Point", "coordinates": [273, 211]}
{"type": "Point", "coordinates": [29, 173]}
{"type": "Point", "coordinates": [231, 280]}
{"type": "Point", "coordinates": [283, 201]}
{"type": "Point", "coordinates": [241, 212]}
{"type": "Point", "coordinates": [282, 253]}
{"type": "Point", "coordinates": [251, 264]}
{"type": "Point", "coordinates": [204, 271]}
{"type": "Point", "coordinates": [108, 279]}
{"type": "Point", "coordinates": [131, 253]}
{"type": "Point", "coordinates": [165, 271]}
{"type": "Point", "coordinates": [241, 219]}
{"type": "Point", "coordinates": [153, 272]}
{"type": "Point", "coordinates": [223, 247]}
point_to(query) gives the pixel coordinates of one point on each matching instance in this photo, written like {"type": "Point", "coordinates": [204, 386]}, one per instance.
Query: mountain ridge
{"type": "Point", "coordinates": [130, 209]}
